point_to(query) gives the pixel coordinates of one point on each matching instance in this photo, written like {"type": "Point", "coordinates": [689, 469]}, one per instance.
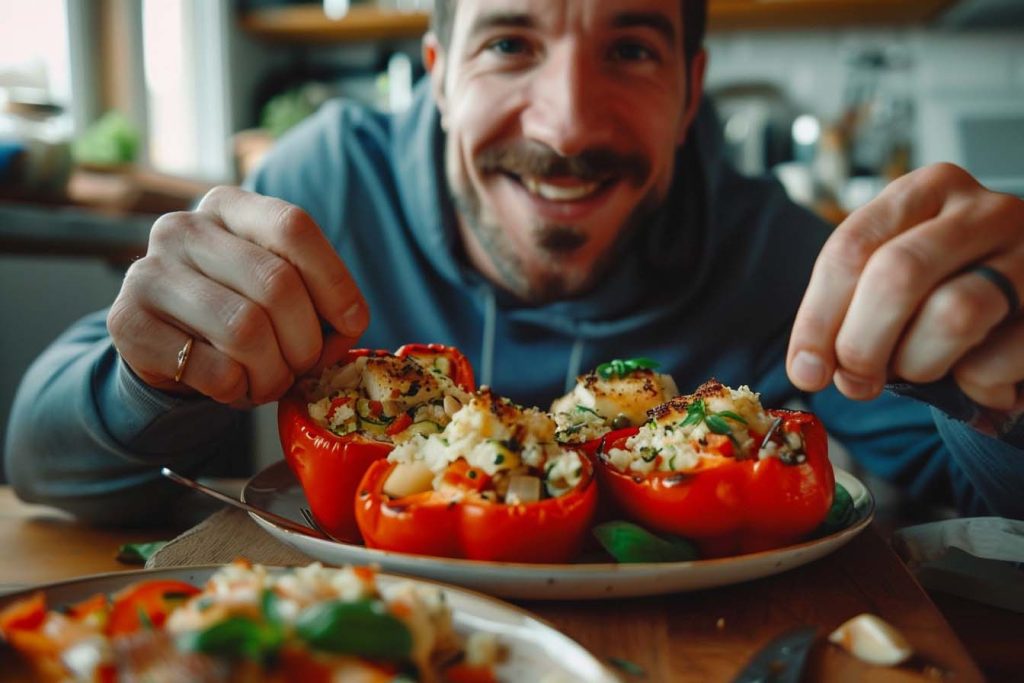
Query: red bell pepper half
{"type": "Point", "coordinates": [329, 466]}
{"type": "Point", "coordinates": [470, 527]}
{"type": "Point", "coordinates": [728, 505]}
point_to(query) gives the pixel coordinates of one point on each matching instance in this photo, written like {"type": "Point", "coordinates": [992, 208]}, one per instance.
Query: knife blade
{"type": "Point", "coordinates": [781, 660]}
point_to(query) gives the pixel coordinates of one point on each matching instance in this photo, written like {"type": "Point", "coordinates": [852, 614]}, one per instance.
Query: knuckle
{"type": "Point", "coordinates": [855, 358]}
{"type": "Point", "coordinates": [957, 312]}
{"type": "Point", "coordinates": [972, 376]}
{"type": "Point", "coordinates": [913, 366]}
{"type": "Point", "coordinates": [279, 280]}
{"type": "Point", "coordinates": [229, 383]}
{"type": "Point", "coordinates": [945, 174]}
{"type": "Point", "coordinates": [217, 195]}
{"type": "Point", "coordinates": [140, 276]}
{"type": "Point", "coordinates": [848, 249]}
{"type": "Point", "coordinates": [1008, 208]}
{"type": "Point", "coordinates": [984, 388]}
{"type": "Point", "coordinates": [167, 228]}
{"type": "Point", "coordinates": [293, 225]}
{"type": "Point", "coordinates": [900, 266]}
{"type": "Point", "coordinates": [245, 325]}
{"type": "Point", "coordinates": [275, 387]}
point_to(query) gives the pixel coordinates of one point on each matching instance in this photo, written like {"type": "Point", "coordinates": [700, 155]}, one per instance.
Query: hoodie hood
{"type": "Point", "coordinates": [658, 271]}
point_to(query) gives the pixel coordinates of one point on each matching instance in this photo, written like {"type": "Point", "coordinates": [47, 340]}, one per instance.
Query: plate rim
{"type": "Point", "coordinates": [583, 567]}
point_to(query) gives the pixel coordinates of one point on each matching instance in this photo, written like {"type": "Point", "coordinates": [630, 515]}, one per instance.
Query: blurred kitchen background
{"type": "Point", "coordinates": [114, 111]}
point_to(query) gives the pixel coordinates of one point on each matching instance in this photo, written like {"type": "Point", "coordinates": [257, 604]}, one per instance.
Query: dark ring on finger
{"type": "Point", "coordinates": [1002, 282]}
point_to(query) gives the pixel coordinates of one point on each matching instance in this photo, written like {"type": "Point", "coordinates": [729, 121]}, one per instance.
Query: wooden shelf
{"type": "Point", "coordinates": [732, 15]}
{"type": "Point", "coordinates": [309, 24]}
{"type": "Point", "coordinates": [306, 23]}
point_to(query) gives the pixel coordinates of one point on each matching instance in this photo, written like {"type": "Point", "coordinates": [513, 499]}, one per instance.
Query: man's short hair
{"type": "Point", "coordinates": [694, 20]}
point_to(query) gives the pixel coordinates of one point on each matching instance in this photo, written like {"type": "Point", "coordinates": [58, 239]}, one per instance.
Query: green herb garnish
{"type": "Point", "coordinates": [628, 542]}
{"type": "Point", "coordinates": [694, 414]}
{"type": "Point", "coordinates": [840, 515]}
{"type": "Point", "coordinates": [631, 668]}
{"type": "Point", "coordinates": [622, 368]}
{"type": "Point", "coordinates": [364, 628]}
{"type": "Point", "coordinates": [236, 638]}
{"type": "Point", "coordinates": [138, 553]}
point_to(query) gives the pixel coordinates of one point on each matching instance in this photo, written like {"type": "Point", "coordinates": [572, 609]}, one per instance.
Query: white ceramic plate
{"type": "Point", "coordinates": [536, 651]}
{"type": "Point", "coordinates": [276, 489]}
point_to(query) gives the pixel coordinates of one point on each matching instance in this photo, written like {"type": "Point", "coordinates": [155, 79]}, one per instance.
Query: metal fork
{"type": "Point", "coordinates": [311, 520]}
{"type": "Point", "coordinates": [314, 530]}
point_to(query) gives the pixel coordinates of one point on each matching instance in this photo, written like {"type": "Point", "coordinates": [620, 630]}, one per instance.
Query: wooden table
{"type": "Point", "coordinates": [701, 636]}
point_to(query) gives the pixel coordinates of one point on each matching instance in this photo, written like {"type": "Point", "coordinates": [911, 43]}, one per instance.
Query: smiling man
{"type": "Point", "coordinates": [557, 117]}
{"type": "Point", "coordinates": [555, 197]}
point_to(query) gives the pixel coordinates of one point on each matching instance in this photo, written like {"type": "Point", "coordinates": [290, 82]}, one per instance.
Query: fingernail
{"type": "Point", "coordinates": [809, 369]}
{"type": "Point", "coordinates": [353, 321]}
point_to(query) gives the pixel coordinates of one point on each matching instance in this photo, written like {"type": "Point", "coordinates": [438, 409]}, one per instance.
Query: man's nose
{"type": "Point", "coordinates": [566, 111]}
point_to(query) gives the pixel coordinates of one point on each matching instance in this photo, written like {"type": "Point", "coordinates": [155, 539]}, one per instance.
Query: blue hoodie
{"type": "Point", "coordinates": [710, 289]}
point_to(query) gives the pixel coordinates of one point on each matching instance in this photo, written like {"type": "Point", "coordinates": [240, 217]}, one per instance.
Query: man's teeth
{"type": "Point", "coordinates": [560, 193]}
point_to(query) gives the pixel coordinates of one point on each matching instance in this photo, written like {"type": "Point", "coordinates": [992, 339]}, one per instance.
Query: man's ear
{"type": "Point", "coordinates": [694, 92]}
{"type": "Point", "coordinates": [433, 60]}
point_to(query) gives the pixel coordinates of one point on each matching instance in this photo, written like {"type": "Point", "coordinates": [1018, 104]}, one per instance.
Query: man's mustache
{"type": "Point", "coordinates": [531, 158]}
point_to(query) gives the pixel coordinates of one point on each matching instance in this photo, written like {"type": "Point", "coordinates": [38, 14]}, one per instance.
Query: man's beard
{"type": "Point", "coordinates": [551, 280]}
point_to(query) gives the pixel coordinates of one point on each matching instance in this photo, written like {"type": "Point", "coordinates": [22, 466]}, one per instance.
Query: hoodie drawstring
{"type": "Point", "coordinates": [573, 368]}
{"type": "Point", "coordinates": [487, 343]}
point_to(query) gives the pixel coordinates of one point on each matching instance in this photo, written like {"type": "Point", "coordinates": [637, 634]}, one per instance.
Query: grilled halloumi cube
{"type": "Point", "coordinates": [629, 396]}
{"type": "Point", "coordinates": [388, 378]}
{"type": "Point", "coordinates": [716, 398]}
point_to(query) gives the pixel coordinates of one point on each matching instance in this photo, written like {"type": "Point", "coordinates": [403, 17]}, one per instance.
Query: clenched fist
{"type": "Point", "coordinates": [249, 278]}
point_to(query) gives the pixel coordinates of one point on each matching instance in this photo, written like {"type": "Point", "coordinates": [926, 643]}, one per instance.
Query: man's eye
{"type": "Point", "coordinates": [632, 52]}
{"type": "Point", "coordinates": [508, 46]}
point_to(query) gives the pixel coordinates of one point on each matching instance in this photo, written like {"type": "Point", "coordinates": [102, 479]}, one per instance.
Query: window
{"type": "Point", "coordinates": [186, 94]}
{"type": "Point", "coordinates": [34, 63]}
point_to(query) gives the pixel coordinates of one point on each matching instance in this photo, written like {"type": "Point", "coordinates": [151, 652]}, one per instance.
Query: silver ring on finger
{"type": "Point", "coordinates": [183, 355]}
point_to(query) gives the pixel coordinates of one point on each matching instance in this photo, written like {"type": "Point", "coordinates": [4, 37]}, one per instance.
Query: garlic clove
{"type": "Point", "coordinates": [873, 640]}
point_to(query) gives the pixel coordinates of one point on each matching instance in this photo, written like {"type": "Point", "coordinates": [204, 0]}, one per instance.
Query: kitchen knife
{"type": "Point", "coordinates": [781, 660]}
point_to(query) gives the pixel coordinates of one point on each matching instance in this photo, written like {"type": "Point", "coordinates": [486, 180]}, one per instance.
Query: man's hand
{"type": "Point", "coordinates": [892, 295]}
{"type": "Point", "coordinates": [249, 277]}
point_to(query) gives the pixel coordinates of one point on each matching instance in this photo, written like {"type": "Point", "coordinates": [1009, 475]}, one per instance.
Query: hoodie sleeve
{"type": "Point", "coordinates": [933, 457]}
{"type": "Point", "coordinates": [86, 435]}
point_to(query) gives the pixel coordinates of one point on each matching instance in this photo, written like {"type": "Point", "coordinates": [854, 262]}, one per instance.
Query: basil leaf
{"type": "Point", "coordinates": [363, 628]}
{"type": "Point", "coordinates": [641, 363]}
{"type": "Point", "coordinates": [718, 425]}
{"type": "Point", "coordinates": [235, 638]}
{"type": "Point", "coordinates": [841, 513]}
{"type": "Point", "coordinates": [628, 542]}
{"type": "Point", "coordinates": [138, 553]}
{"type": "Point", "coordinates": [732, 416]}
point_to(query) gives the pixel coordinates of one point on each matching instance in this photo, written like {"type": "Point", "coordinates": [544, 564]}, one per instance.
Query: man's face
{"type": "Point", "coordinates": [562, 120]}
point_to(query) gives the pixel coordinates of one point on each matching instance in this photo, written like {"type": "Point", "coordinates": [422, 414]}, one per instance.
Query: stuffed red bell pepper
{"type": "Point", "coordinates": [614, 395]}
{"type": "Point", "coordinates": [494, 485]}
{"type": "Point", "coordinates": [333, 426]}
{"type": "Point", "coordinates": [702, 468]}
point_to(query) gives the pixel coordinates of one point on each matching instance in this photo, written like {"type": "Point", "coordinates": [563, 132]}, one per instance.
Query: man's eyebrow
{"type": "Point", "coordinates": [492, 20]}
{"type": "Point", "coordinates": [654, 20]}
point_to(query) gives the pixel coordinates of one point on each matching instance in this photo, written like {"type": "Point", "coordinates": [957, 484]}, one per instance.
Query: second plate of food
{"type": "Point", "coordinates": [276, 489]}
